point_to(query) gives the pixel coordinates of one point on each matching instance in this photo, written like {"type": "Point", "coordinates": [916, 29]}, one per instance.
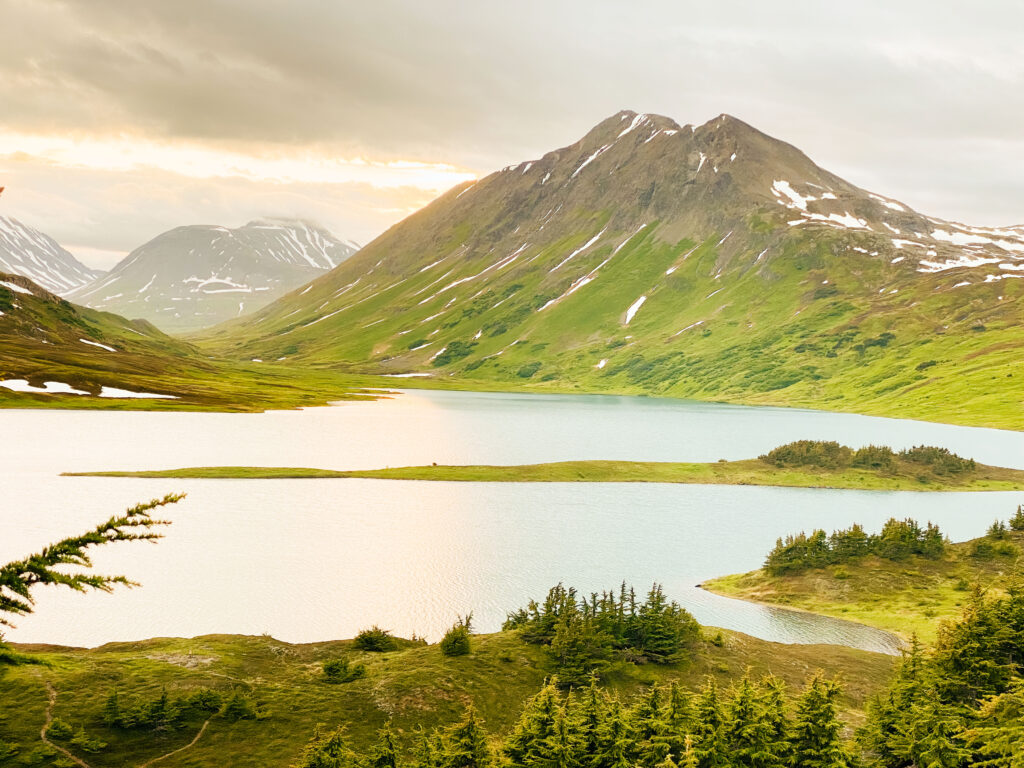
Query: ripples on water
{"type": "Point", "coordinates": [318, 559]}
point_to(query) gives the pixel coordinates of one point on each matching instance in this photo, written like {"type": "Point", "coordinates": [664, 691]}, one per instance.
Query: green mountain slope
{"type": "Point", "coordinates": [706, 261]}
{"type": "Point", "coordinates": [56, 354]}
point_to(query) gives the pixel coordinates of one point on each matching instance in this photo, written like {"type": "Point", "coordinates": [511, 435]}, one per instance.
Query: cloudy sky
{"type": "Point", "coordinates": [122, 118]}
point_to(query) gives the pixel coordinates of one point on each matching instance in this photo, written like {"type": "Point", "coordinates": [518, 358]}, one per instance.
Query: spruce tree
{"type": "Point", "coordinates": [578, 648]}
{"type": "Point", "coordinates": [330, 751]}
{"type": "Point", "coordinates": [777, 717]}
{"type": "Point", "coordinates": [616, 739]}
{"type": "Point", "coordinates": [384, 753]}
{"type": "Point", "coordinates": [816, 741]}
{"type": "Point", "coordinates": [112, 711]}
{"type": "Point", "coordinates": [931, 735]}
{"type": "Point", "coordinates": [529, 742]}
{"type": "Point", "coordinates": [650, 729]}
{"type": "Point", "coordinates": [750, 738]}
{"type": "Point", "coordinates": [590, 722]}
{"type": "Point", "coordinates": [18, 578]}
{"type": "Point", "coordinates": [678, 720]}
{"type": "Point", "coordinates": [689, 754]}
{"type": "Point", "coordinates": [561, 745]}
{"type": "Point", "coordinates": [708, 731]}
{"type": "Point", "coordinates": [1017, 521]}
{"type": "Point", "coordinates": [465, 744]}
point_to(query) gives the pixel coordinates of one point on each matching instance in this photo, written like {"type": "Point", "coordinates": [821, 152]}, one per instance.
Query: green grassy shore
{"type": "Point", "coordinates": [906, 597]}
{"type": "Point", "coordinates": [746, 472]}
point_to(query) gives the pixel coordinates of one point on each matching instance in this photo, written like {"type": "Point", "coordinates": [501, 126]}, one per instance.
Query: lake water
{"type": "Point", "coordinates": [308, 560]}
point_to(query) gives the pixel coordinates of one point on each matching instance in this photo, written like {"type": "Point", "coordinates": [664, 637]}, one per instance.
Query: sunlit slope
{"type": "Point", "coordinates": [55, 354]}
{"type": "Point", "coordinates": [696, 261]}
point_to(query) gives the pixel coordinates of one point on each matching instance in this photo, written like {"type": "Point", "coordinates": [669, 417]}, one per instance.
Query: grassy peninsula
{"type": "Point", "coordinates": [803, 464]}
{"type": "Point", "coordinates": [906, 595]}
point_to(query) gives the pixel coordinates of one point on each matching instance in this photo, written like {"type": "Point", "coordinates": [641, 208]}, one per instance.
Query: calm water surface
{"type": "Point", "coordinates": [309, 560]}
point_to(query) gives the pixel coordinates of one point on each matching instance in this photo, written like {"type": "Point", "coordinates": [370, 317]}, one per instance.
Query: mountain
{"type": "Point", "coordinates": [56, 354]}
{"type": "Point", "coordinates": [708, 261]}
{"type": "Point", "coordinates": [196, 276]}
{"type": "Point", "coordinates": [27, 251]}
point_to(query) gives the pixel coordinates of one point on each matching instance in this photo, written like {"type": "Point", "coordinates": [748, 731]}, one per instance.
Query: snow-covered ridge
{"type": "Point", "coordinates": [195, 276]}
{"type": "Point", "coordinates": [27, 252]}
{"type": "Point", "coordinates": [938, 246]}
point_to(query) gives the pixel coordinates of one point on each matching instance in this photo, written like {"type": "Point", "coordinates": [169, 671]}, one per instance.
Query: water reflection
{"type": "Point", "coordinates": [310, 560]}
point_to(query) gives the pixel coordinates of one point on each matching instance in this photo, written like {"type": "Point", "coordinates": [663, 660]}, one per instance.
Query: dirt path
{"type": "Point", "coordinates": [179, 749]}
{"type": "Point", "coordinates": [51, 694]}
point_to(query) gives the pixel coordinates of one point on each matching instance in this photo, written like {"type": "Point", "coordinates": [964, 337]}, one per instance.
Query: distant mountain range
{"type": "Point", "coordinates": [708, 261]}
{"type": "Point", "coordinates": [196, 276]}
{"type": "Point", "coordinates": [27, 251]}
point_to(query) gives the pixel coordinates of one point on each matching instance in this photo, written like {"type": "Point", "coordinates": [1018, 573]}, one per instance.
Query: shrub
{"type": "Point", "coordinates": [375, 640]}
{"type": "Point", "coordinates": [528, 370]}
{"type": "Point", "coordinates": [810, 453]}
{"type": "Point", "coordinates": [941, 461]}
{"type": "Point", "coordinates": [239, 707]}
{"type": "Point", "coordinates": [87, 743]}
{"type": "Point", "coordinates": [341, 671]}
{"type": "Point", "coordinates": [455, 350]}
{"type": "Point", "coordinates": [59, 730]}
{"type": "Point", "coordinates": [982, 550]}
{"type": "Point", "coordinates": [456, 640]}
{"type": "Point", "coordinates": [875, 457]}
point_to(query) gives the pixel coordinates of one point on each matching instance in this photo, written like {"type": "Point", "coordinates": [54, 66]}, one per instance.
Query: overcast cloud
{"type": "Point", "coordinates": [923, 101]}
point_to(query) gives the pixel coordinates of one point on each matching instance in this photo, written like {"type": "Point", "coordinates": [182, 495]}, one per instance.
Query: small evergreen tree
{"type": "Point", "coordinates": [930, 735]}
{"type": "Point", "coordinates": [709, 729]}
{"type": "Point", "coordinates": [112, 711]}
{"type": "Point", "coordinates": [616, 740]}
{"type": "Point", "coordinates": [330, 751]}
{"type": "Point", "coordinates": [591, 717]}
{"type": "Point", "coordinates": [816, 740]}
{"type": "Point", "coordinates": [1017, 521]}
{"type": "Point", "coordinates": [239, 706]}
{"type": "Point", "coordinates": [456, 640]}
{"type": "Point", "coordinates": [87, 743]}
{"type": "Point", "coordinates": [58, 730]}
{"type": "Point", "coordinates": [384, 753]}
{"type": "Point", "coordinates": [465, 744]}
{"type": "Point", "coordinates": [997, 530]}
{"type": "Point", "coordinates": [750, 737]}
{"type": "Point", "coordinates": [529, 742]}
